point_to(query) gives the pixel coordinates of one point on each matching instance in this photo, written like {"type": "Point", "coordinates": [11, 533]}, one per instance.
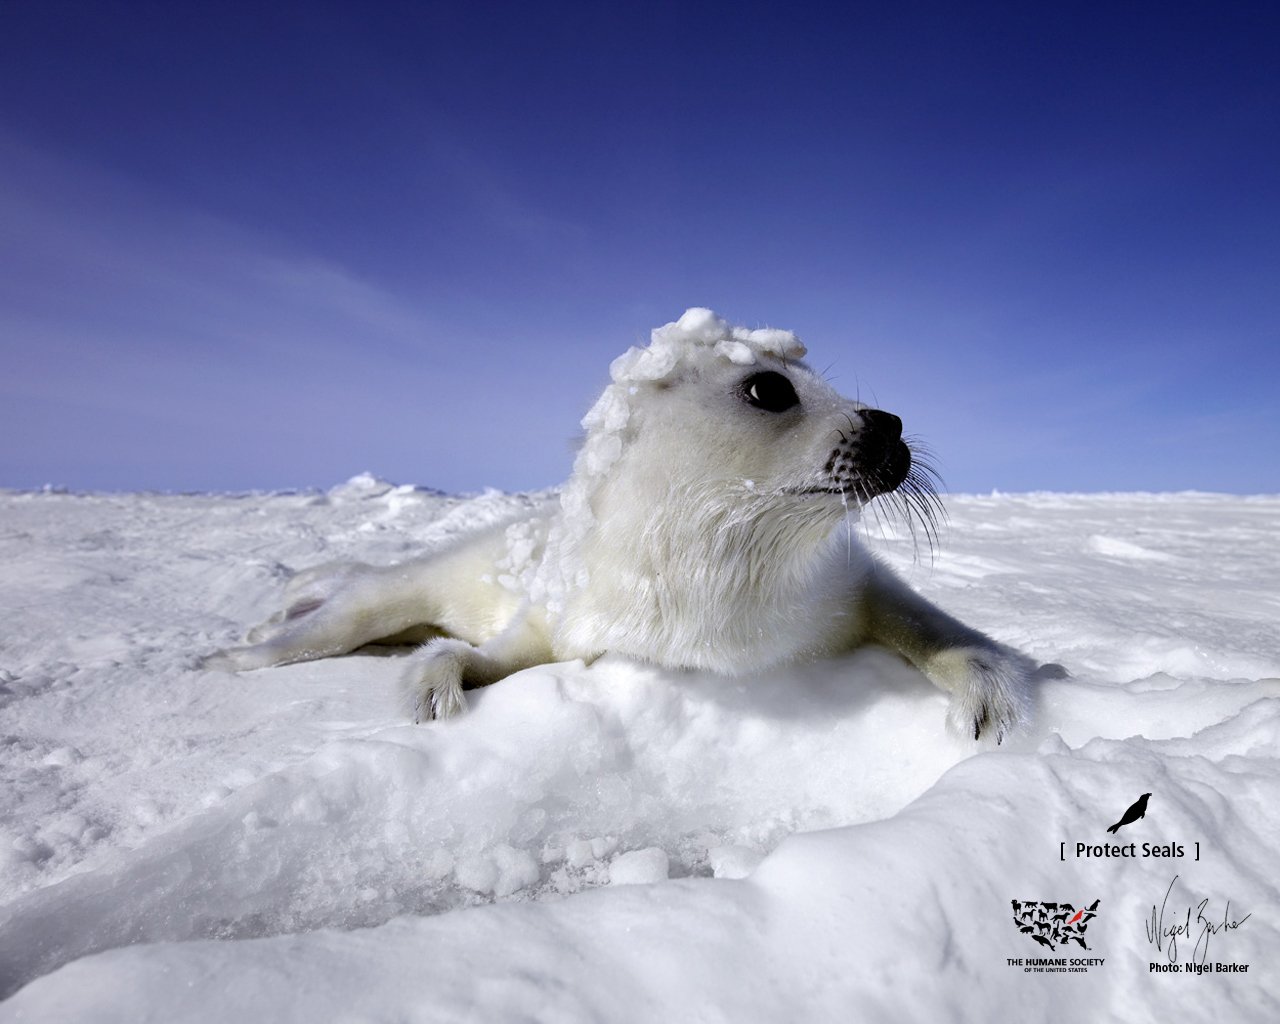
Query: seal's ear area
{"type": "Point", "coordinates": [769, 390]}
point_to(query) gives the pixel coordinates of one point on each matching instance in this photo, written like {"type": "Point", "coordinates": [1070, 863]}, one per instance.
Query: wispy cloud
{"type": "Point", "coordinates": [118, 307]}
{"type": "Point", "coordinates": [83, 248]}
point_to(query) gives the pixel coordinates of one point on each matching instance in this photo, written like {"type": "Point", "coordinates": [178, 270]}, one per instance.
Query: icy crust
{"type": "Point", "coordinates": [698, 333]}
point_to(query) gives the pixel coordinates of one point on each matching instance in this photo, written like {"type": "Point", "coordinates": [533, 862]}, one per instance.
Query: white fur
{"type": "Point", "coordinates": [689, 535]}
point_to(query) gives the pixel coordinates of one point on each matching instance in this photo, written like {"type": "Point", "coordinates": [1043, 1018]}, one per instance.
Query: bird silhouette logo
{"type": "Point", "coordinates": [1138, 809]}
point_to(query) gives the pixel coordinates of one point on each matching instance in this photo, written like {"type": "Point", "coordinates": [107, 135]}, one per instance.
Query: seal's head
{"type": "Point", "coordinates": [725, 411]}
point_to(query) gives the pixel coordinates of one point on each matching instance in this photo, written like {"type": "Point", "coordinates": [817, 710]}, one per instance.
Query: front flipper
{"type": "Point", "coordinates": [435, 677]}
{"type": "Point", "coordinates": [441, 669]}
{"type": "Point", "coordinates": [989, 683]}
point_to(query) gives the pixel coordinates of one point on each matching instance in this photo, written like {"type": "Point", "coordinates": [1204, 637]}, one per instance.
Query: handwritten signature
{"type": "Point", "coordinates": [1204, 927]}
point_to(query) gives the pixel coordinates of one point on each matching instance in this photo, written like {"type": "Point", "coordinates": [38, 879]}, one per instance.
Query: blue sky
{"type": "Point", "coordinates": [273, 245]}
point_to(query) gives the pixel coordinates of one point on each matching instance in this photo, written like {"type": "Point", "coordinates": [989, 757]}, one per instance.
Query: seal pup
{"type": "Point", "coordinates": [703, 527]}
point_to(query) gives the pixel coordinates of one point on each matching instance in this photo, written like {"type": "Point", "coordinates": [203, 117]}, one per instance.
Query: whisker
{"type": "Point", "coordinates": [915, 501]}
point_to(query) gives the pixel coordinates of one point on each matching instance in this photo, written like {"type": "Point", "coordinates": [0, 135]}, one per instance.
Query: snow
{"type": "Point", "coordinates": [618, 842]}
{"type": "Point", "coordinates": [636, 867]}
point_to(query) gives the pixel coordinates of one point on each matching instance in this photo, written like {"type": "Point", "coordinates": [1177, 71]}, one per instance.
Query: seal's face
{"type": "Point", "coordinates": [774, 428]}
{"type": "Point", "coordinates": [717, 445]}
{"type": "Point", "coordinates": [870, 458]}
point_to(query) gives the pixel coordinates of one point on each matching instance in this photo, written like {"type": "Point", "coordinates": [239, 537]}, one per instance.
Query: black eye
{"type": "Point", "coordinates": [769, 391]}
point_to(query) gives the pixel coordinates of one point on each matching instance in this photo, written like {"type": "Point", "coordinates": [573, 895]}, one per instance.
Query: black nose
{"type": "Point", "coordinates": [884, 424]}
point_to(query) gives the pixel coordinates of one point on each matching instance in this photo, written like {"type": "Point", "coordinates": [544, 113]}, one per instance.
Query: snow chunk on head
{"type": "Point", "coordinates": [671, 347]}
{"type": "Point", "coordinates": [697, 330]}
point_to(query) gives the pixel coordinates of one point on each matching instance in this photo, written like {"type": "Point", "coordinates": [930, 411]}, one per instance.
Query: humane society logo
{"type": "Point", "coordinates": [1053, 925]}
